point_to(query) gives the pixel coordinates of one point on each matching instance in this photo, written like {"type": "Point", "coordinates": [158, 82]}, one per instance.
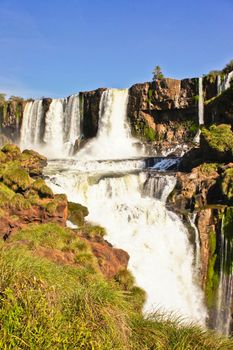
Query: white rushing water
{"type": "Point", "coordinates": [200, 102]}
{"type": "Point", "coordinates": [114, 139]}
{"type": "Point", "coordinates": [224, 83]}
{"type": "Point", "coordinates": [31, 125]}
{"type": "Point", "coordinates": [54, 133]}
{"type": "Point", "coordinates": [161, 257]}
{"type": "Point", "coordinates": [223, 321]}
{"type": "Point", "coordinates": [200, 109]}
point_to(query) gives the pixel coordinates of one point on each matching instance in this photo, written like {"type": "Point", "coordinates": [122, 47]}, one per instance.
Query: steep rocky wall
{"type": "Point", "coordinates": [167, 109]}
{"type": "Point", "coordinates": [90, 104]}
{"type": "Point", "coordinates": [11, 114]}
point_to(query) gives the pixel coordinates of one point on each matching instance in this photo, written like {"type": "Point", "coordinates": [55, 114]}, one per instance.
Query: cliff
{"type": "Point", "coordinates": [204, 188]}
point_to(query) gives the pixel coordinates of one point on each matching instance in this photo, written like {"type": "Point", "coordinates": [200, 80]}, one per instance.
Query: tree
{"type": "Point", "coordinates": [157, 73]}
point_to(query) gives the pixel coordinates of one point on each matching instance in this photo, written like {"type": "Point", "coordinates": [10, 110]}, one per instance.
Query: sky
{"type": "Point", "coordinates": [59, 47]}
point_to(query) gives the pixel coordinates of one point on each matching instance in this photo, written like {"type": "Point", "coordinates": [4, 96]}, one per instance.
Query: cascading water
{"type": "Point", "coordinates": [72, 121]}
{"type": "Point", "coordinates": [160, 254]}
{"type": "Point", "coordinates": [55, 133]}
{"type": "Point", "coordinates": [114, 140]}
{"type": "Point", "coordinates": [197, 259]}
{"type": "Point", "coordinates": [200, 102]}
{"type": "Point", "coordinates": [120, 196]}
{"type": "Point", "coordinates": [224, 83]}
{"type": "Point", "coordinates": [223, 323]}
{"type": "Point", "coordinates": [159, 187]}
{"type": "Point", "coordinates": [32, 124]}
{"type": "Point", "coordinates": [200, 108]}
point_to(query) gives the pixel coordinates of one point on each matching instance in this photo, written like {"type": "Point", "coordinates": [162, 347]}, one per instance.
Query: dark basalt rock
{"type": "Point", "coordinates": [90, 104]}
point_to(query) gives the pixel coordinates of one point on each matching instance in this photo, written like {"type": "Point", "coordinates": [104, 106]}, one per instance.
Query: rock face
{"type": "Point", "coordinates": [164, 110]}
{"type": "Point", "coordinates": [91, 105]}
{"type": "Point", "coordinates": [11, 114]}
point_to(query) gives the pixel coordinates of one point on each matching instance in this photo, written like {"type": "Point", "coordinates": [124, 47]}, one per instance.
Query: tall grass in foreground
{"type": "Point", "coordinates": [44, 305]}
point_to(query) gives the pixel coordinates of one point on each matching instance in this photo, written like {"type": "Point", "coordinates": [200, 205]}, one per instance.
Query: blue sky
{"type": "Point", "coordinates": [58, 47]}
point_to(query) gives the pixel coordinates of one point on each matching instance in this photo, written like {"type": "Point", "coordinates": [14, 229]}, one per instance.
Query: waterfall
{"type": "Point", "coordinates": [200, 109]}
{"type": "Point", "coordinates": [159, 187]}
{"type": "Point", "coordinates": [200, 102]}
{"type": "Point", "coordinates": [72, 127]}
{"type": "Point", "coordinates": [225, 290]}
{"type": "Point", "coordinates": [55, 133]}
{"type": "Point", "coordinates": [161, 257]}
{"type": "Point", "coordinates": [197, 258]}
{"type": "Point", "coordinates": [113, 140]}
{"type": "Point", "coordinates": [31, 125]}
{"type": "Point", "coordinates": [224, 83]}
{"type": "Point", "coordinates": [130, 203]}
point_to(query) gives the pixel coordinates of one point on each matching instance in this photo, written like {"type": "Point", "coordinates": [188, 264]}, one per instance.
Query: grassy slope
{"type": "Point", "coordinates": [48, 305]}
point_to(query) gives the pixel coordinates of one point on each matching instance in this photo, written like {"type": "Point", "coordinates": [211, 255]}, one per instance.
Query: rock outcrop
{"type": "Point", "coordinates": [27, 203]}
{"type": "Point", "coordinates": [90, 105]}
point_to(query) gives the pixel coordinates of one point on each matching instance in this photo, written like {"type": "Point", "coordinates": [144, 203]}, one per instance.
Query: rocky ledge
{"type": "Point", "coordinates": [29, 207]}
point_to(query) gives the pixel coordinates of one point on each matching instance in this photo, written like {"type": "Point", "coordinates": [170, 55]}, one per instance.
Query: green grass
{"type": "Point", "coordinates": [48, 305]}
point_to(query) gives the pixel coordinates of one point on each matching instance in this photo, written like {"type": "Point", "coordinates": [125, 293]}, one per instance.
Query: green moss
{"type": "Point", "coordinates": [219, 138]}
{"type": "Point", "coordinates": [3, 157]}
{"type": "Point", "coordinates": [92, 231]}
{"type": "Point", "coordinates": [228, 236]}
{"type": "Point", "coordinates": [212, 281]}
{"type": "Point", "coordinates": [77, 213]}
{"type": "Point", "coordinates": [51, 208]}
{"type": "Point", "coordinates": [226, 184]}
{"type": "Point", "coordinates": [19, 202]}
{"type": "Point", "coordinates": [149, 133]}
{"type": "Point", "coordinates": [208, 168]}
{"type": "Point", "coordinates": [16, 178]}
{"type": "Point", "coordinates": [193, 128]}
{"type": "Point", "coordinates": [43, 190]}
{"type": "Point", "coordinates": [196, 98]}
{"type": "Point", "coordinates": [11, 150]}
{"type": "Point", "coordinates": [6, 195]}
